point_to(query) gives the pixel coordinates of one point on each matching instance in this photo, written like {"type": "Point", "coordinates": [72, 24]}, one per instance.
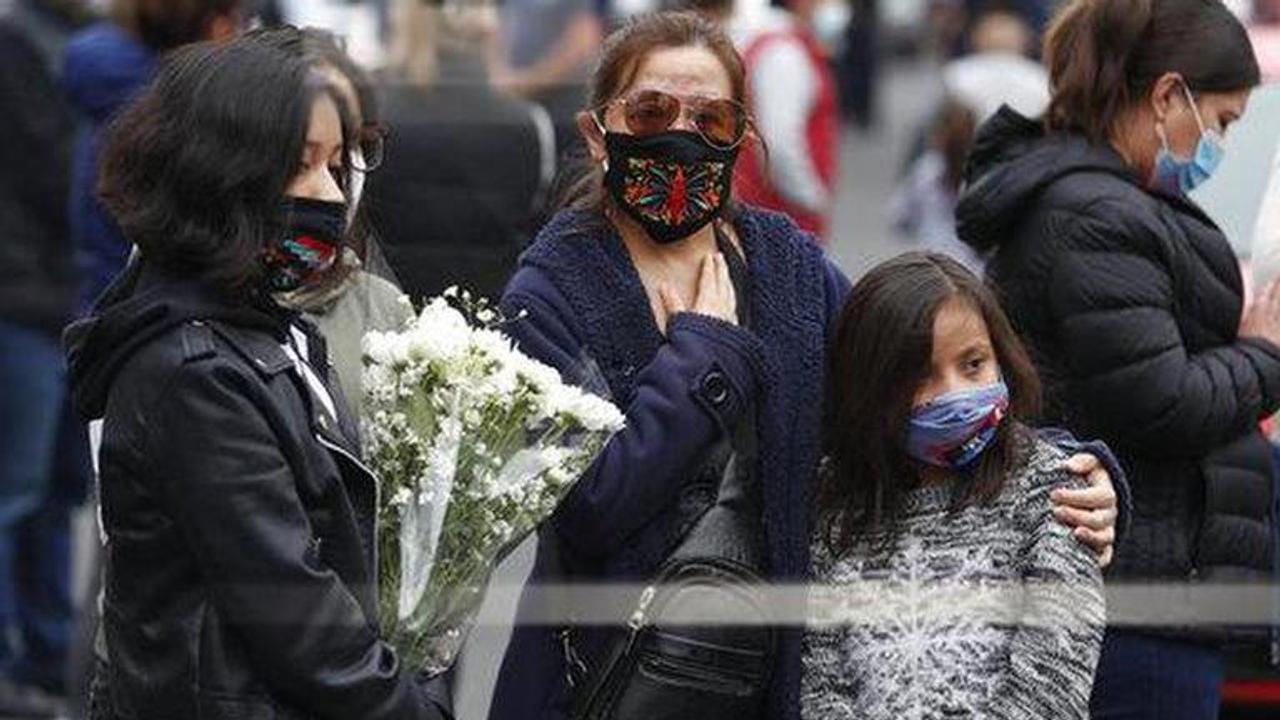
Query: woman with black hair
{"type": "Point", "coordinates": [240, 575]}
{"type": "Point", "coordinates": [1132, 302]}
{"type": "Point", "coordinates": [107, 64]}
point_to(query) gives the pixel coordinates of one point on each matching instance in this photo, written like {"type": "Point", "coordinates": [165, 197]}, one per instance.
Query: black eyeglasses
{"type": "Point", "coordinates": [369, 148]}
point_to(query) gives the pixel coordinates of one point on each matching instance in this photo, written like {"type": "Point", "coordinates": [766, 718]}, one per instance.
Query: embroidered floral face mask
{"type": "Point", "coordinates": [672, 183]}
{"type": "Point", "coordinates": [307, 246]}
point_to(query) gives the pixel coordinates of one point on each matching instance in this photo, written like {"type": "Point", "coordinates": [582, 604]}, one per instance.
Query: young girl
{"type": "Point", "coordinates": [935, 504]}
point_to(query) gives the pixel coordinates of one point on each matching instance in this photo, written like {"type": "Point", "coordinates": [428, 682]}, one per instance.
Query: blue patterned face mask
{"type": "Point", "coordinates": [953, 430]}
{"type": "Point", "coordinates": [1176, 175]}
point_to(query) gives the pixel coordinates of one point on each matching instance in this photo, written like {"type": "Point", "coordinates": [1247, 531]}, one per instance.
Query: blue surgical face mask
{"type": "Point", "coordinates": [1177, 175]}
{"type": "Point", "coordinates": [953, 430]}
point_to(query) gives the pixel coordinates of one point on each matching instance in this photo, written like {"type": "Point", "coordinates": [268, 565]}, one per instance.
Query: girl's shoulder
{"type": "Point", "coordinates": [1041, 471]}
{"type": "Point", "coordinates": [1041, 457]}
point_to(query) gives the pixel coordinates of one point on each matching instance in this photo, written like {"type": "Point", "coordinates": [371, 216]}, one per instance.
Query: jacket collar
{"type": "Point", "coordinates": [263, 352]}
{"type": "Point", "coordinates": [267, 356]}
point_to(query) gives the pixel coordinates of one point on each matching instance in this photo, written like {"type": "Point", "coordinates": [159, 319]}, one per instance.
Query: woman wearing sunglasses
{"type": "Point", "coordinates": [709, 323]}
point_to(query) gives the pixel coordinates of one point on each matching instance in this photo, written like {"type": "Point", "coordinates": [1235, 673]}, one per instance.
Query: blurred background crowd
{"type": "Point", "coordinates": [868, 108]}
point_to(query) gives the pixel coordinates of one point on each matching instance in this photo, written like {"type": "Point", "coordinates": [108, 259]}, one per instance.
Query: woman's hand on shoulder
{"type": "Point", "coordinates": [1090, 512]}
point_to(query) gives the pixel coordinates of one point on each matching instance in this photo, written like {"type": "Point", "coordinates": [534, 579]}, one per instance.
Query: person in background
{"type": "Point", "coordinates": [934, 485]}
{"type": "Point", "coordinates": [240, 576]}
{"type": "Point", "coordinates": [1034, 13]}
{"type": "Point", "coordinates": [1266, 11]}
{"type": "Point", "coordinates": [359, 294]}
{"type": "Point", "coordinates": [924, 205]}
{"type": "Point", "coordinates": [709, 322]}
{"type": "Point", "coordinates": [542, 51]}
{"type": "Point", "coordinates": [998, 73]}
{"type": "Point", "coordinates": [40, 482]}
{"type": "Point", "coordinates": [1131, 301]}
{"type": "Point", "coordinates": [51, 23]}
{"type": "Point", "coordinates": [795, 166]}
{"type": "Point", "coordinates": [106, 65]}
{"type": "Point", "coordinates": [858, 66]}
{"type": "Point", "coordinates": [1265, 257]}
{"type": "Point", "coordinates": [457, 200]}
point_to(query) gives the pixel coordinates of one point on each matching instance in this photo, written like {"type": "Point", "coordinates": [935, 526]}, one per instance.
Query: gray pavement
{"type": "Point", "coordinates": [870, 164]}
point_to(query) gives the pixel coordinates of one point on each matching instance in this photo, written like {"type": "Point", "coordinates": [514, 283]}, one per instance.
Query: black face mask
{"type": "Point", "coordinates": [307, 243]}
{"type": "Point", "coordinates": [673, 183]}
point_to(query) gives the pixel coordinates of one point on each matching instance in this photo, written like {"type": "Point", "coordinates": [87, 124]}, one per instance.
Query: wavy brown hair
{"type": "Point", "coordinates": [1105, 55]}
{"type": "Point", "coordinates": [880, 354]}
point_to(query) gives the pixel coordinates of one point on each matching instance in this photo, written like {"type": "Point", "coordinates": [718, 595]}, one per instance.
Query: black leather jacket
{"type": "Point", "coordinates": [240, 575]}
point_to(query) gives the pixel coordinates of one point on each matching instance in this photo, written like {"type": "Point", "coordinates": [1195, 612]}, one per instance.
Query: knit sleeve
{"type": "Point", "coordinates": [1056, 645]}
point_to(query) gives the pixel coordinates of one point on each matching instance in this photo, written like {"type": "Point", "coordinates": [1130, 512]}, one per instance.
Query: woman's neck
{"type": "Point", "coordinates": [1135, 142]}
{"type": "Point", "coordinates": [683, 255]}
{"type": "Point", "coordinates": [675, 266]}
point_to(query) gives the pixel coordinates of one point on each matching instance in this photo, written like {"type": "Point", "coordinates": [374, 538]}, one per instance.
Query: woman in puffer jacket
{"type": "Point", "coordinates": [1132, 302]}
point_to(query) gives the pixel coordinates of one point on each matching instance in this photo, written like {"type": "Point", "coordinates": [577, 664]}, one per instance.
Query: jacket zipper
{"type": "Point", "coordinates": [691, 674]}
{"type": "Point", "coordinates": [638, 619]}
{"type": "Point", "coordinates": [377, 493]}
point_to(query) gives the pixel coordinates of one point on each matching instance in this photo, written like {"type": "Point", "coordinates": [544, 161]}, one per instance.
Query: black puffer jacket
{"type": "Point", "coordinates": [239, 578]}
{"type": "Point", "coordinates": [1131, 303]}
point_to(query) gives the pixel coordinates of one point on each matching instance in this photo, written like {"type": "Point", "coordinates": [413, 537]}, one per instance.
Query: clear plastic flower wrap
{"type": "Point", "coordinates": [475, 444]}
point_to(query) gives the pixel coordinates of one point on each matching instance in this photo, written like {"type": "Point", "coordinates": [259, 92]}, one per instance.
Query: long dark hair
{"type": "Point", "coordinates": [880, 354]}
{"type": "Point", "coordinates": [195, 169]}
{"type": "Point", "coordinates": [1104, 55]}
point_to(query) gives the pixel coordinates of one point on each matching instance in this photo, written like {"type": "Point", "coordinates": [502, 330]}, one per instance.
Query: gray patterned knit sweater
{"type": "Point", "coordinates": [992, 612]}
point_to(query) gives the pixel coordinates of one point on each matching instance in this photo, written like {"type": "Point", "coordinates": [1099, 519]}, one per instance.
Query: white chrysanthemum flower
{"type": "Point", "coordinates": [402, 496]}
{"type": "Point", "coordinates": [503, 382]}
{"type": "Point", "coordinates": [543, 378]}
{"type": "Point", "coordinates": [493, 344]}
{"type": "Point", "coordinates": [456, 417]}
{"type": "Point", "coordinates": [593, 413]}
{"type": "Point", "coordinates": [375, 347]}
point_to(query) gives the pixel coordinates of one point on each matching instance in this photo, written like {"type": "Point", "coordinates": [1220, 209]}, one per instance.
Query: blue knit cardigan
{"type": "Point", "coordinates": [584, 306]}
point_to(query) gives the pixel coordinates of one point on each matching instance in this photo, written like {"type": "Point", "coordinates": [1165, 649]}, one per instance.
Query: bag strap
{"type": "Point", "coordinates": [737, 477]}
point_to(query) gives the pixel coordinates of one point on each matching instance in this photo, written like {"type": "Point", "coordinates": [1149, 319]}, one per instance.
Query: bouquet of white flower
{"type": "Point", "coordinates": [475, 444]}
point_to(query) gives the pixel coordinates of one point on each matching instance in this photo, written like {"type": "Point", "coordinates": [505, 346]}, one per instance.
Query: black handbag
{"type": "Point", "coordinates": [664, 665]}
